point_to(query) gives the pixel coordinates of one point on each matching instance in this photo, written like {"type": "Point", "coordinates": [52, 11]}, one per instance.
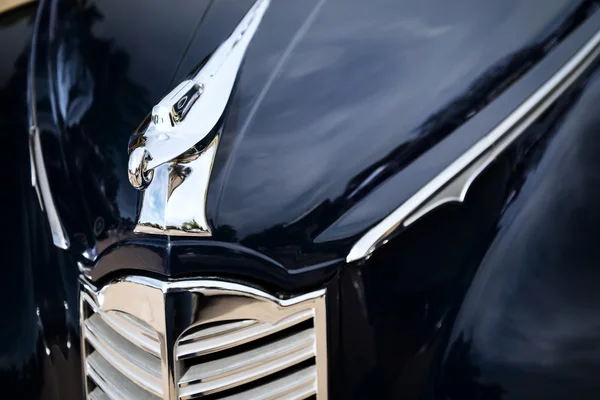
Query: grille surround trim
{"type": "Point", "coordinates": [181, 310]}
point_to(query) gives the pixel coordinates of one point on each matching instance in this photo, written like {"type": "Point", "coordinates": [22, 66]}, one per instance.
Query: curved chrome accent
{"type": "Point", "coordinates": [453, 183]}
{"type": "Point", "coordinates": [39, 180]}
{"type": "Point", "coordinates": [39, 177]}
{"type": "Point", "coordinates": [172, 153]}
{"type": "Point", "coordinates": [213, 336]}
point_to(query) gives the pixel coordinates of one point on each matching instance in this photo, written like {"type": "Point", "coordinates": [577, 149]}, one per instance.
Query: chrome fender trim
{"type": "Point", "coordinates": [453, 183]}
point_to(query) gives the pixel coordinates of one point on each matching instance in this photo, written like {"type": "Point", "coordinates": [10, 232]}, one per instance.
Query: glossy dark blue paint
{"type": "Point", "coordinates": [360, 91]}
{"type": "Point", "coordinates": [218, 259]}
{"type": "Point", "coordinates": [382, 200]}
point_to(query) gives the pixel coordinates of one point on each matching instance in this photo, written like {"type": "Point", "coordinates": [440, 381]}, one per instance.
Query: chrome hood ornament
{"type": "Point", "coordinates": [172, 152]}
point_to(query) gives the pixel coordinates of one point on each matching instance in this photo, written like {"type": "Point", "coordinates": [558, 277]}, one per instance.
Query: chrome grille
{"type": "Point", "coordinates": [233, 354]}
{"type": "Point", "coordinates": [218, 339]}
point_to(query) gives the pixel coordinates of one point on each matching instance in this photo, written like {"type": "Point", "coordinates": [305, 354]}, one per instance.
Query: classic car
{"type": "Point", "coordinates": [289, 199]}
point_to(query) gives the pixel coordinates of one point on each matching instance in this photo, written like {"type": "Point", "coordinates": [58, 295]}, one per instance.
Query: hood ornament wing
{"type": "Point", "coordinates": [172, 152]}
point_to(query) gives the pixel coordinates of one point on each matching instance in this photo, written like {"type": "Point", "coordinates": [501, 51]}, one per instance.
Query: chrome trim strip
{"type": "Point", "coordinates": [453, 183]}
{"type": "Point", "coordinates": [39, 177]}
{"type": "Point", "coordinates": [41, 185]}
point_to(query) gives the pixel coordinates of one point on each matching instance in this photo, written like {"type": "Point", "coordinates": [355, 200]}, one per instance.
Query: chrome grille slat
{"type": "Point", "coordinates": [98, 394]}
{"type": "Point", "coordinates": [246, 376]}
{"type": "Point", "coordinates": [238, 337]}
{"type": "Point", "coordinates": [133, 331]}
{"type": "Point", "coordinates": [113, 383]}
{"type": "Point", "coordinates": [298, 385]}
{"type": "Point", "coordinates": [141, 367]}
{"type": "Point", "coordinates": [299, 392]}
{"type": "Point", "coordinates": [249, 360]}
{"type": "Point", "coordinates": [128, 327]}
{"type": "Point", "coordinates": [217, 330]}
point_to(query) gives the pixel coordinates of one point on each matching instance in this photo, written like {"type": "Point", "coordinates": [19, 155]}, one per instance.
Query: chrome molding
{"type": "Point", "coordinates": [171, 154]}
{"type": "Point", "coordinates": [39, 180]}
{"type": "Point", "coordinates": [453, 183]}
{"type": "Point", "coordinates": [39, 177]}
{"type": "Point", "coordinates": [146, 338]}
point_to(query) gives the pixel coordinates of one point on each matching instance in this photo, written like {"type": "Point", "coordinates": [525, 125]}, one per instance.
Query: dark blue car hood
{"type": "Point", "coordinates": [334, 98]}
